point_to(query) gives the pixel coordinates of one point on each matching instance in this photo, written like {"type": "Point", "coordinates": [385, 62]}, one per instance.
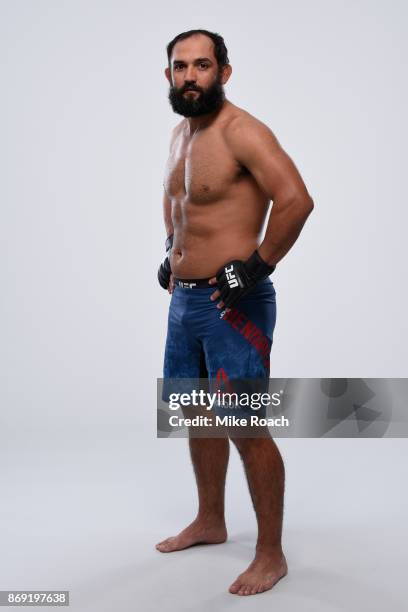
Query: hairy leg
{"type": "Point", "coordinates": [210, 460]}
{"type": "Point", "coordinates": [266, 480]}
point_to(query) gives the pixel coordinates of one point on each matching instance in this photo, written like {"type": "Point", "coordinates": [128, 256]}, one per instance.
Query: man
{"type": "Point", "coordinates": [224, 168]}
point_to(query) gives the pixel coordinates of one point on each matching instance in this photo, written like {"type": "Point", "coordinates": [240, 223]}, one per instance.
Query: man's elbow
{"type": "Point", "coordinates": [298, 206]}
{"type": "Point", "coordinates": [304, 206]}
{"type": "Point", "coordinates": [308, 205]}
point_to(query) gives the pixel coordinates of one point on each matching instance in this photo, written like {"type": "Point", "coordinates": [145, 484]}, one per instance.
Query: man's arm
{"type": "Point", "coordinates": [164, 274]}
{"type": "Point", "coordinates": [254, 146]}
{"type": "Point", "coordinates": [168, 223]}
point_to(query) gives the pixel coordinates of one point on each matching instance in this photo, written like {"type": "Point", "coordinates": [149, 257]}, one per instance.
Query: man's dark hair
{"type": "Point", "coordinates": [220, 50]}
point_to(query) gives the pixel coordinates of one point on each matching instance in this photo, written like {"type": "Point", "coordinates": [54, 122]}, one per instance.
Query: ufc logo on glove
{"type": "Point", "coordinates": [232, 281]}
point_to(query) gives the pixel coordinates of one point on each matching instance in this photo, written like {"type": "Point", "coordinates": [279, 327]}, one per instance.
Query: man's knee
{"type": "Point", "coordinates": [243, 445]}
{"type": "Point", "coordinates": [259, 443]}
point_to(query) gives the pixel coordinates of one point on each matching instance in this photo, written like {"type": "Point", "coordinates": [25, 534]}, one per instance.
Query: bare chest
{"type": "Point", "coordinates": [201, 169]}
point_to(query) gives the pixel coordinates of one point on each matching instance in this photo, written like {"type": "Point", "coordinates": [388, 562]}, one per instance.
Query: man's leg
{"type": "Point", "coordinates": [266, 480]}
{"type": "Point", "coordinates": [185, 359]}
{"type": "Point", "coordinates": [241, 350]}
{"type": "Point", "coordinates": [210, 461]}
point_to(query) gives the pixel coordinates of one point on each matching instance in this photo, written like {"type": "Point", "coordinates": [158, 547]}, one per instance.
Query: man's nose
{"type": "Point", "coordinates": [190, 75]}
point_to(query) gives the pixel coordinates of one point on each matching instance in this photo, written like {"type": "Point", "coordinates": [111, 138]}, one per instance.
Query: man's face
{"type": "Point", "coordinates": [196, 83]}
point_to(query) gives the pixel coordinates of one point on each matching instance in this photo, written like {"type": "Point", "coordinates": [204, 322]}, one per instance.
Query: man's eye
{"type": "Point", "coordinates": [204, 66]}
{"type": "Point", "coordinates": [178, 67]}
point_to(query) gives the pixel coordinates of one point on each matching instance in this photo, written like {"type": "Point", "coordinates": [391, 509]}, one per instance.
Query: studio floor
{"type": "Point", "coordinates": [82, 513]}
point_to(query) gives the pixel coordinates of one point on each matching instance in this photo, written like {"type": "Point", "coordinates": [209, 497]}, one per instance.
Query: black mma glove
{"type": "Point", "coordinates": [236, 278]}
{"type": "Point", "coordinates": [164, 272]}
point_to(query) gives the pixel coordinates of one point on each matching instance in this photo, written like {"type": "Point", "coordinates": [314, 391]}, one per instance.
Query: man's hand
{"type": "Point", "coordinates": [236, 278]}
{"type": "Point", "coordinates": [216, 294]}
{"type": "Point", "coordinates": [170, 288]}
{"type": "Point", "coordinates": [164, 274]}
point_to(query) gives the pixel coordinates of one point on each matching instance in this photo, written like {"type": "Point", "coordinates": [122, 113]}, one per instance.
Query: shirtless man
{"type": "Point", "coordinates": [224, 168]}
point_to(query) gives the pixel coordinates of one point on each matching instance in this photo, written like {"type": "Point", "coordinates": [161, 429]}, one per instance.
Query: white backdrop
{"type": "Point", "coordinates": [85, 127]}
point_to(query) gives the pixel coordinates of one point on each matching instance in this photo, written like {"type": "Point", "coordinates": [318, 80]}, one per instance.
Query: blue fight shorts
{"type": "Point", "coordinates": [200, 344]}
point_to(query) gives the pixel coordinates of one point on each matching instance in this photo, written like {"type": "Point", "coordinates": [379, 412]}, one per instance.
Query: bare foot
{"type": "Point", "coordinates": [265, 571]}
{"type": "Point", "coordinates": [196, 533]}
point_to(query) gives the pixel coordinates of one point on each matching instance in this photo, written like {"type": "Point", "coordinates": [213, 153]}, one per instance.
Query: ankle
{"type": "Point", "coordinates": [212, 519]}
{"type": "Point", "coordinates": [269, 550]}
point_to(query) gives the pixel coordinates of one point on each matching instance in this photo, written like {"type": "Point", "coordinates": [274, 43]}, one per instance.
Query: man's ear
{"type": "Point", "coordinates": [226, 73]}
{"type": "Point", "coordinates": [168, 74]}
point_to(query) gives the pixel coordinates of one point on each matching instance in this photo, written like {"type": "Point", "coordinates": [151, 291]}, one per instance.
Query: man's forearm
{"type": "Point", "coordinates": [285, 223]}
{"type": "Point", "coordinates": [168, 222]}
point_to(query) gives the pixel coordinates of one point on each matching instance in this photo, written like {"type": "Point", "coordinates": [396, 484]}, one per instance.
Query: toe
{"type": "Point", "coordinates": [234, 588]}
{"type": "Point", "coordinates": [162, 542]}
{"type": "Point", "coordinates": [163, 546]}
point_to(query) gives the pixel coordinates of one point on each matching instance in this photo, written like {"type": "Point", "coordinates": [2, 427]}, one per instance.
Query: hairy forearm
{"type": "Point", "coordinates": [285, 223]}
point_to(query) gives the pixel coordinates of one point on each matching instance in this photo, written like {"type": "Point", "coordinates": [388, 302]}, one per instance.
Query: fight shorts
{"type": "Point", "coordinates": [202, 344]}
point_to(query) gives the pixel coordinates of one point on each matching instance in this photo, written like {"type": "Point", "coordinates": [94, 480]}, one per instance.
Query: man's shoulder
{"type": "Point", "coordinates": [176, 131]}
{"type": "Point", "coordinates": [241, 123]}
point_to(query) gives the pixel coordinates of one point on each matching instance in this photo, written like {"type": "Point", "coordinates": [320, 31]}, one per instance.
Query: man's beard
{"type": "Point", "coordinates": [208, 101]}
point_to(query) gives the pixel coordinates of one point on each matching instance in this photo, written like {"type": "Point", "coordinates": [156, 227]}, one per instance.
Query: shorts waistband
{"type": "Point", "coordinates": [193, 283]}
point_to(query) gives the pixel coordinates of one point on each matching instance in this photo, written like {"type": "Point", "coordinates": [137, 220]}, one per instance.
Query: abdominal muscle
{"type": "Point", "coordinates": [207, 236]}
{"type": "Point", "coordinates": [207, 256]}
